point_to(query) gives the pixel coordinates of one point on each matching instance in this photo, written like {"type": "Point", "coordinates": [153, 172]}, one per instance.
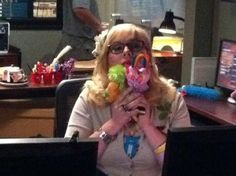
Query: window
{"type": "Point", "coordinates": [32, 14]}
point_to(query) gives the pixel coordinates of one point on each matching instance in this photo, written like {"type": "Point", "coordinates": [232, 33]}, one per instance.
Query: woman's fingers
{"type": "Point", "coordinates": [124, 95]}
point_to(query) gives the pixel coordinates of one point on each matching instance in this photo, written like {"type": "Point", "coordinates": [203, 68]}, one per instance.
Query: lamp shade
{"type": "Point", "coordinates": [168, 25]}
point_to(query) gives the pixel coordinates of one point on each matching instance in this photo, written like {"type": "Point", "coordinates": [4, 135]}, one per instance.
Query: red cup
{"type": "Point", "coordinates": [58, 77]}
{"type": "Point", "coordinates": [47, 78]}
{"type": "Point", "coordinates": [35, 78]}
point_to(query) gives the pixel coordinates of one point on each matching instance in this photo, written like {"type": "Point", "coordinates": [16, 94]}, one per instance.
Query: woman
{"type": "Point", "coordinates": [131, 139]}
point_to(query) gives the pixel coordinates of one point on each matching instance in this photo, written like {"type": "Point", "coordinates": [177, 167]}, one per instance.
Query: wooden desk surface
{"type": "Point", "coordinates": [84, 65]}
{"type": "Point", "coordinates": [221, 111]}
{"type": "Point", "coordinates": [28, 91]}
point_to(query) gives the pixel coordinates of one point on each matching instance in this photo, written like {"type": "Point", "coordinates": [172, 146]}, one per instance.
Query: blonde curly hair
{"type": "Point", "coordinates": [160, 91]}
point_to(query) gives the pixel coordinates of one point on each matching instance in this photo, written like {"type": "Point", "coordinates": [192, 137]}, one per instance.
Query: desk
{"type": "Point", "coordinates": [27, 111]}
{"type": "Point", "coordinates": [28, 91]}
{"type": "Point", "coordinates": [217, 112]}
{"type": "Point", "coordinates": [30, 113]}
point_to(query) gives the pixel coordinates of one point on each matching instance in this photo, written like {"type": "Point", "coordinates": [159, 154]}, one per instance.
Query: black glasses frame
{"type": "Point", "coordinates": [130, 45]}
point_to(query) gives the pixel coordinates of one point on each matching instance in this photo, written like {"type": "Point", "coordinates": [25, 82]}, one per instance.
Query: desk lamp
{"type": "Point", "coordinates": [168, 25]}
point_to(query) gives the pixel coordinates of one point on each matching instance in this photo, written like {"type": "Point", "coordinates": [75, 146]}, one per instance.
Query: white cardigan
{"type": "Point", "coordinates": [87, 118]}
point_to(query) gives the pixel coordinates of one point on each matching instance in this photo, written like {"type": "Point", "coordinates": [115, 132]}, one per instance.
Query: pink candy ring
{"type": "Point", "coordinates": [142, 57]}
{"type": "Point", "coordinates": [139, 75]}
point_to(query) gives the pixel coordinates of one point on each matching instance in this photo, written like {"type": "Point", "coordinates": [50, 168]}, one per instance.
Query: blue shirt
{"type": "Point", "coordinates": [131, 145]}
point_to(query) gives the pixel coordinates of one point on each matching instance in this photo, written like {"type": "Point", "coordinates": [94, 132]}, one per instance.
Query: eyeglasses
{"type": "Point", "coordinates": [133, 45]}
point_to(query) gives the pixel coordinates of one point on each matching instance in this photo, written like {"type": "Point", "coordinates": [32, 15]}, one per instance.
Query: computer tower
{"type": "Point", "coordinates": [4, 37]}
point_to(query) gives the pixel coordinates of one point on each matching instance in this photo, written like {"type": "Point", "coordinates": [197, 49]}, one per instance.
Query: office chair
{"type": "Point", "coordinates": [67, 93]}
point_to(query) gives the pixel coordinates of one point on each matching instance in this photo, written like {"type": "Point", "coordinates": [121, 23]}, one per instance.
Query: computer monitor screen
{"type": "Point", "coordinates": [226, 66]}
{"type": "Point", "coordinates": [200, 151]}
{"type": "Point", "coordinates": [31, 14]}
{"type": "Point", "coordinates": [47, 156]}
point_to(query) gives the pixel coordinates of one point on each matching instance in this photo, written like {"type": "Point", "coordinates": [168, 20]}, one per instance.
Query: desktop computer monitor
{"type": "Point", "coordinates": [48, 156]}
{"type": "Point", "coordinates": [200, 151]}
{"type": "Point", "coordinates": [226, 66]}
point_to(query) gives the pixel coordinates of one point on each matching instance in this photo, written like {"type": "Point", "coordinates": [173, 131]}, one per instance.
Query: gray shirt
{"type": "Point", "coordinates": [74, 26]}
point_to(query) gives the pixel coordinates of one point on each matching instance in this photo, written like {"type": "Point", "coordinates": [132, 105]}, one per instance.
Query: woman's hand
{"type": "Point", "coordinates": [141, 111]}
{"type": "Point", "coordinates": [122, 110]}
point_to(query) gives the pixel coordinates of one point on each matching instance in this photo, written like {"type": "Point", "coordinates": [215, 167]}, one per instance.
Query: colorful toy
{"type": "Point", "coordinates": [201, 92]}
{"type": "Point", "coordinates": [116, 76]}
{"type": "Point", "coordinates": [138, 74]}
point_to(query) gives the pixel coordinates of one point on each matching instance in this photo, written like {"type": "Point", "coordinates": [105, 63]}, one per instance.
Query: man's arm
{"type": "Point", "coordinates": [88, 18]}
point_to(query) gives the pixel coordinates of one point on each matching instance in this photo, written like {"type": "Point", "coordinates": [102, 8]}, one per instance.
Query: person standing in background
{"type": "Point", "coordinates": [81, 22]}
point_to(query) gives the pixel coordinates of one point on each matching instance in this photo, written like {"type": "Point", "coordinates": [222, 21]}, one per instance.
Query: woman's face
{"type": "Point", "coordinates": [121, 51]}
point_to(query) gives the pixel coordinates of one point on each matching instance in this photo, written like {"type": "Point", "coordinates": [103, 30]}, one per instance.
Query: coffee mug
{"type": "Point", "coordinates": [13, 74]}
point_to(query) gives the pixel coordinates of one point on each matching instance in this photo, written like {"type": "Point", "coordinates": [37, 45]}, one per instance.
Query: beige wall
{"type": "Point", "coordinates": [188, 39]}
{"type": "Point", "coordinates": [34, 45]}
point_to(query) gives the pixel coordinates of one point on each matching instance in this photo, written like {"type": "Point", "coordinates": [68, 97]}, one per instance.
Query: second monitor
{"type": "Point", "coordinates": [201, 151]}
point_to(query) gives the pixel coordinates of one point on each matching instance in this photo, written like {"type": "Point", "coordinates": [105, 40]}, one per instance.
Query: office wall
{"type": "Point", "coordinates": [35, 45]}
{"type": "Point", "coordinates": [224, 24]}
{"type": "Point", "coordinates": [206, 22]}
{"type": "Point", "coordinates": [227, 21]}
{"type": "Point", "coordinates": [40, 44]}
{"type": "Point", "coordinates": [154, 10]}
{"type": "Point", "coordinates": [199, 16]}
{"type": "Point", "coordinates": [190, 12]}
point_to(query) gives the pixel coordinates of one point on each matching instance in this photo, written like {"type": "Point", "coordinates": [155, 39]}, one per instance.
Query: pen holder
{"type": "Point", "coordinates": [47, 78]}
{"type": "Point", "coordinates": [58, 77]}
{"type": "Point", "coordinates": [36, 78]}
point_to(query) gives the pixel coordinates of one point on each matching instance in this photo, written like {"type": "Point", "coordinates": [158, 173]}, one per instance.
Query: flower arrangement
{"type": "Point", "coordinates": [99, 41]}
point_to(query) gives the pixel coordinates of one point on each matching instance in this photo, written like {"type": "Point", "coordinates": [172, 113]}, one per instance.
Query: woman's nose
{"type": "Point", "coordinates": [127, 51]}
{"type": "Point", "coordinates": [126, 48]}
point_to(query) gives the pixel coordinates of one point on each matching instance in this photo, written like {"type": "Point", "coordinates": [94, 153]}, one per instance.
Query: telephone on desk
{"type": "Point", "coordinates": [232, 98]}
